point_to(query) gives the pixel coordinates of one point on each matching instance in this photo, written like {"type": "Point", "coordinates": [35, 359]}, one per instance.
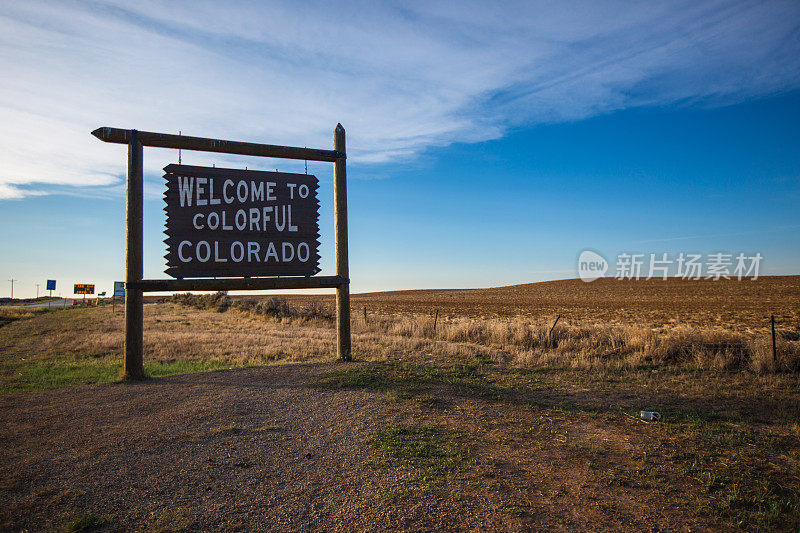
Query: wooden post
{"type": "Point", "coordinates": [365, 314]}
{"type": "Point", "coordinates": [435, 320]}
{"type": "Point", "coordinates": [343, 351]}
{"type": "Point", "coordinates": [774, 346]}
{"type": "Point", "coordinates": [134, 312]}
{"type": "Point", "coordinates": [550, 333]}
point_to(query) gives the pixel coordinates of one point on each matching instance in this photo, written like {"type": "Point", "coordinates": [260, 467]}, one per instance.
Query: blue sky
{"type": "Point", "coordinates": [487, 145]}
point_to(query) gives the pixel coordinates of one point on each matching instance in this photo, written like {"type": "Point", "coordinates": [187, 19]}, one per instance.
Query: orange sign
{"type": "Point", "coordinates": [83, 288]}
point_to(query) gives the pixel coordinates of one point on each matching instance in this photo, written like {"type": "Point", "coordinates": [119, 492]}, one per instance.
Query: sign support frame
{"type": "Point", "coordinates": [343, 350]}
{"type": "Point", "coordinates": [134, 261]}
{"type": "Point", "coordinates": [136, 286]}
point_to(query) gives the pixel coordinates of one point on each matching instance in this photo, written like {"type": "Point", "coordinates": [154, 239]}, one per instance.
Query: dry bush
{"type": "Point", "coordinates": [788, 356]}
{"type": "Point", "coordinates": [273, 307]}
{"type": "Point", "coordinates": [519, 340]}
{"type": "Point", "coordinates": [17, 313]}
{"type": "Point", "coordinates": [595, 345]}
{"type": "Point", "coordinates": [219, 300]}
{"type": "Point", "coordinates": [11, 314]}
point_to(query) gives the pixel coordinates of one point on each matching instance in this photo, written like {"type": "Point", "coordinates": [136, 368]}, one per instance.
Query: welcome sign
{"type": "Point", "coordinates": [240, 223]}
{"type": "Point", "coordinates": [230, 229]}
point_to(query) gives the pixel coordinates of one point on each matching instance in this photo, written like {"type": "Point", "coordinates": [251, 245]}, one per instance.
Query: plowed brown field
{"type": "Point", "coordinates": [741, 305]}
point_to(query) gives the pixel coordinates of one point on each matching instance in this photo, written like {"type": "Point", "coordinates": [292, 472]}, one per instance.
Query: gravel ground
{"type": "Point", "coordinates": [259, 449]}
{"type": "Point", "coordinates": [253, 449]}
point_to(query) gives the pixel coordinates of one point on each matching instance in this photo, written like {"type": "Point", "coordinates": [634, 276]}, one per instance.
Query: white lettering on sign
{"type": "Point", "coordinates": [303, 252]}
{"type": "Point", "coordinates": [238, 251]}
{"type": "Point", "coordinates": [212, 220]}
{"type": "Point", "coordinates": [232, 222]}
{"type": "Point", "coordinates": [211, 199]}
{"type": "Point", "coordinates": [201, 191]}
{"type": "Point", "coordinates": [228, 198]}
{"type": "Point", "coordinates": [254, 219]}
{"type": "Point", "coordinates": [257, 192]}
{"type": "Point", "coordinates": [185, 186]}
{"type": "Point", "coordinates": [217, 258]}
{"type": "Point", "coordinates": [203, 251]}
{"type": "Point", "coordinates": [241, 221]}
{"type": "Point", "coordinates": [183, 258]}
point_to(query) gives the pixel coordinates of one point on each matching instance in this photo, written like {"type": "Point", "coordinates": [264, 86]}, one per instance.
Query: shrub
{"type": "Point", "coordinates": [219, 300]}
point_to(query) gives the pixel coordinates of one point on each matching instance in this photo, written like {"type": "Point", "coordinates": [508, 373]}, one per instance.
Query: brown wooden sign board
{"type": "Point", "coordinates": [225, 222]}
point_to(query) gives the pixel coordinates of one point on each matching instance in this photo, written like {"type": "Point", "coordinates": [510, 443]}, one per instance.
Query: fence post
{"type": "Point", "coordinates": [343, 350]}
{"type": "Point", "coordinates": [550, 333]}
{"type": "Point", "coordinates": [133, 262]}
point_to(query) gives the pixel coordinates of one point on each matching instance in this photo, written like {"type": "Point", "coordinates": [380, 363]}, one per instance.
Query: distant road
{"type": "Point", "coordinates": [64, 302]}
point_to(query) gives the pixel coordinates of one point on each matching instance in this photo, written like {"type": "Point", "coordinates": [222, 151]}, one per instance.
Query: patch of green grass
{"type": "Point", "coordinates": [388, 496]}
{"type": "Point", "coordinates": [38, 374]}
{"type": "Point", "coordinates": [55, 372]}
{"type": "Point", "coordinates": [355, 378]}
{"type": "Point", "coordinates": [745, 472]}
{"type": "Point", "coordinates": [435, 451]}
{"type": "Point", "coordinates": [157, 369]}
{"type": "Point", "coordinates": [171, 520]}
{"type": "Point", "coordinates": [513, 509]}
{"type": "Point", "coordinates": [403, 380]}
{"type": "Point", "coordinates": [86, 522]}
{"type": "Point", "coordinates": [399, 395]}
{"type": "Point", "coordinates": [729, 462]}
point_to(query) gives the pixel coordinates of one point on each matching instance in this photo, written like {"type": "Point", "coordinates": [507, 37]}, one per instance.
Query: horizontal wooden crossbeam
{"type": "Point", "coordinates": [201, 144]}
{"type": "Point", "coordinates": [238, 284]}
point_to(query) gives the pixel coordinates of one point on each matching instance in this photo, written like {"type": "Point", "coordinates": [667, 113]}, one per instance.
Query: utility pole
{"type": "Point", "coordinates": [12, 287]}
{"type": "Point", "coordinates": [37, 291]}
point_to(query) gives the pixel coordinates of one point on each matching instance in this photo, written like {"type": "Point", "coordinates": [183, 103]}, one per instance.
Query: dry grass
{"type": "Point", "coordinates": [271, 335]}
{"type": "Point", "coordinates": [211, 331]}
{"type": "Point", "coordinates": [580, 344]}
{"type": "Point", "coordinates": [11, 314]}
{"type": "Point", "coordinates": [246, 336]}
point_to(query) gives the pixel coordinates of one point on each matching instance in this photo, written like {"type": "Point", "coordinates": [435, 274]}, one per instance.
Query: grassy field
{"type": "Point", "coordinates": [487, 398]}
{"type": "Point", "coordinates": [41, 348]}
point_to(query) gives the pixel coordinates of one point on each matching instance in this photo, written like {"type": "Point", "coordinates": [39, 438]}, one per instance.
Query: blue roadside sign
{"type": "Point", "coordinates": [51, 285]}
{"type": "Point", "coordinates": [119, 288]}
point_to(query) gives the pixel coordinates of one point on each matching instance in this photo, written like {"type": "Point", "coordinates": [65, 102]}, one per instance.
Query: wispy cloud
{"type": "Point", "coordinates": [400, 77]}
